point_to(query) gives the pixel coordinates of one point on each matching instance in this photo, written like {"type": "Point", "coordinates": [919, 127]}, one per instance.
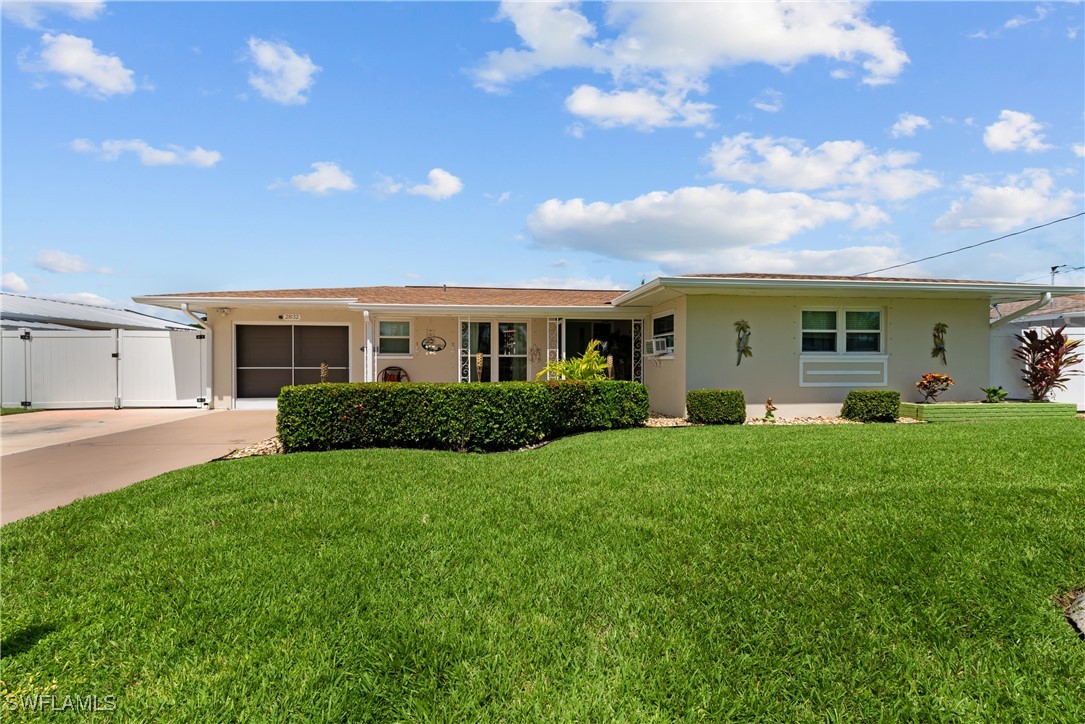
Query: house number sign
{"type": "Point", "coordinates": [290, 317]}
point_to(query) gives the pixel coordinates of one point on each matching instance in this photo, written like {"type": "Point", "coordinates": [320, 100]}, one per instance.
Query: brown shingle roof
{"type": "Point", "coordinates": [1058, 305]}
{"type": "Point", "coordinates": [453, 296]}
{"type": "Point", "coordinates": [816, 277]}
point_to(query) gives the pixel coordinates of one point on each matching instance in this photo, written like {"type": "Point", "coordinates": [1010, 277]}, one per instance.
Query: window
{"type": "Point", "coordinates": [395, 338]}
{"type": "Point", "coordinates": [505, 341]}
{"type": "Point", "coordinates": [842, 331]}
{"type": "Point", "coordinates": [663, 326]}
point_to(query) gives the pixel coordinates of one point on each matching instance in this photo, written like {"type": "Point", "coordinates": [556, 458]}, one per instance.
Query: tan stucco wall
{"type": "Point", "coordinates": [422, 367]}
{"type": "Point", "coordinates": [222, 328]}
{"type": "Point", "coordinates": [666, 377]}
{"type": "Point", "coordinates": [773, 371]}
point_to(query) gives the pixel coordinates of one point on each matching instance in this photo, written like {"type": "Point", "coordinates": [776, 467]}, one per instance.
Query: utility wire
{"type": "Point", "coordinates": [973, 246]}
{"type": "Point", "coordinates": [1060, 271]}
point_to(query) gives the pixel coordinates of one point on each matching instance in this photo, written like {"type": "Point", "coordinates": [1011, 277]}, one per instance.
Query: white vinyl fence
{"type": "Point", "coordinates": [111, 368]}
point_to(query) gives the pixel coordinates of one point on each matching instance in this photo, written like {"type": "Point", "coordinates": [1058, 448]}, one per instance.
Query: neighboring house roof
{"type": "Point", "coordinates": [50, 314]}
{"type": "Point", "coordinates": [1069, 303]}
{"type": "Point", "coordinates": [35, 326]}
{"type": "Point", "coordinates": [437, 298]}
{"type": "Point", "coordinates": [823, 277]}
{"type": "Point", "coordinates": [1062, 310]}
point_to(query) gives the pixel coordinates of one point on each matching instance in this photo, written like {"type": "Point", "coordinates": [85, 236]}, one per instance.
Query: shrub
{"type": "Point", "coordinates": [871, 406]}
{"type": "Point", "coordinates": [995, 394]}
{"type": "Point", "coordinates": [451, 416]}
{"type": "Point", "coordinates": [1047, 359]}
{"type": "Point", "coordinates": [716, 407]}
{"type": "Point", "coordinates": [933, 384]}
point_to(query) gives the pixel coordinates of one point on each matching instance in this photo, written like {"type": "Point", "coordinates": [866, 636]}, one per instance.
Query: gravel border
{"type": "Point", "coordinates": [272, 446]}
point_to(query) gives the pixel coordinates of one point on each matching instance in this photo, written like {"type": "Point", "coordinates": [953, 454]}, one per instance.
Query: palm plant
{"type": "Point", "coordinates": [589, 366]}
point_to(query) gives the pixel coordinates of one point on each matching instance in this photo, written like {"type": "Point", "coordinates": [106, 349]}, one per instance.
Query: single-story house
{"type": "Point", "coordinates": [813, 338]}
{"type": "Point", "coordinates": [1068, 312]}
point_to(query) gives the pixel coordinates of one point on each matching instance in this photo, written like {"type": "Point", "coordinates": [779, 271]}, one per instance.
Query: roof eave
{"type": "Point", "coordinates": [203, 304]}
{"type": "Point", "coordinates": [996, 292]}
{"type": "Point", "coordinates": [497, 309]}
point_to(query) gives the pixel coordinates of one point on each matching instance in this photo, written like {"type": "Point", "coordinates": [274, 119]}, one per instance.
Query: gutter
{"type": "Point", "coordinates": [1008, 291]}
{"type": "Point", "coordinates": [446, 310]}
{"type": "Point", "coordinates": [193, 317]}
{"type": "Point", "coordinates": [1044, 300]}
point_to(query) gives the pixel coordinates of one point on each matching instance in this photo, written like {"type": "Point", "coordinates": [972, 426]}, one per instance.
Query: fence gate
{"type": "Point", "coordinates": [110, 368]}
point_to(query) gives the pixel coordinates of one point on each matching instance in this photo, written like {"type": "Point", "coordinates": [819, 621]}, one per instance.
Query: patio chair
{"type": "Point", "coordinates": [393, 374]}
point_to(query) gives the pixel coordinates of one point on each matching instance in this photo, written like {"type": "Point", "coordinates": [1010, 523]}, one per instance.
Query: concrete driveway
{"type": "Point", "coordinates": [53, 457]}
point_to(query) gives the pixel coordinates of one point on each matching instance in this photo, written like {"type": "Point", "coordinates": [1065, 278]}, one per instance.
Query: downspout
{"type": "Point", "coordinates": [1045, 299]}
{"type": "Point", "coordinates": [367, 375]}
{"type": "Point", "coordinates": [193, 317]}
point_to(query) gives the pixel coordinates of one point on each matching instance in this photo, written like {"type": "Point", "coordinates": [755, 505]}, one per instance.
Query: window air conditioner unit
{"type": "Point", "coordinates": [656, 346]}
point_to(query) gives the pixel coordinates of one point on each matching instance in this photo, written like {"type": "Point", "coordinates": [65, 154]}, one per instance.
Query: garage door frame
{"type": "Point", "coordinates": [269, 402]}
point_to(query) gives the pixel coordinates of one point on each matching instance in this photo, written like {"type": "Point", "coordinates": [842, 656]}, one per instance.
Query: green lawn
{"type": "Point", "coordinates": [760, 573]}
{"type": "Point", "coordinates": [16, 410]}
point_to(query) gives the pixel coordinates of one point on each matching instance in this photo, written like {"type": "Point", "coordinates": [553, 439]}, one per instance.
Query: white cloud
{"type": "Point", "coordinates": [1079, 149]}
{"type": "Point", "coordinates": [281, 74]}
{"type": "Point", "coordinates": [442, 185]}
{"type": "Point", "coordinates": [31, 14]}
{"type": "Point", "coordinates": [148, 155]}
{"type": "Point", "coordinates": [552, 282]}
{"type": "Point", "coordinates": [770, 101]}
{"type": "Point", "coordinates": [12, 282]}
{"type": "Point", "coordinates": [326, 176]}
{"type": "Point", "coordinates": [61, 262]}
{"type": "Point", "coordinates": [838, 169]}
{"type": "Point", "coordinates": [83, 68]}
{"type": "Point", "coordinates": [1014, 131]}
{"type": "Point", "coordinates": [669, 50]}
{"type": "Point", "coordinates": [87, 298]}
{"type": "Point", "coordinates": [907, 124]}
{"type": "Point", "coordinates": [676, 228]}
{"type": "Point", "coordinates": [845, 262]}
{"type": "Point", "coordinates": [555, 35]}
{"type": "Point", "coordinates": [639, 108]}
{"type": "Point", "coordinates": [1028, 197]}
{"type": "Point", "coordinates": [386, 185]}
{"type": "Point", "coordinates": [1021, 20]}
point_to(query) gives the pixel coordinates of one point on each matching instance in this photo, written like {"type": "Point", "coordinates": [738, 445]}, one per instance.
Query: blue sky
{"type": "Point", "coordinates": [170, 147]}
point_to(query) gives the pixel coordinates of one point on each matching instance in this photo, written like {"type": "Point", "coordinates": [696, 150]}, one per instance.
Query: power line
{"type": "Point", "coordinates": [1059, 270]}
{"type": "Point", "coordinates": [973, 246]}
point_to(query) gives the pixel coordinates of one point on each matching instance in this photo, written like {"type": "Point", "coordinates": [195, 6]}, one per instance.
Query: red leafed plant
{"type": "Point", "coordinates": [933, 384]}
{"type": "Point", "coordinates": [1047, 360]}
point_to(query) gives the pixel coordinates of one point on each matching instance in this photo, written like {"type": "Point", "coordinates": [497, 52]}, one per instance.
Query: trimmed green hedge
{"type": "Point", "coordinates": [871, 406]}
{"type": "Point", "coordinates": [716, 407]}
{"type": "Point", "coordinates": [452, 416]}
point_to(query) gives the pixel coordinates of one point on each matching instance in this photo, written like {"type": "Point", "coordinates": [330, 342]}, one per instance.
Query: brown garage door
{"type": "Point", "coordinates": [271, 356]}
